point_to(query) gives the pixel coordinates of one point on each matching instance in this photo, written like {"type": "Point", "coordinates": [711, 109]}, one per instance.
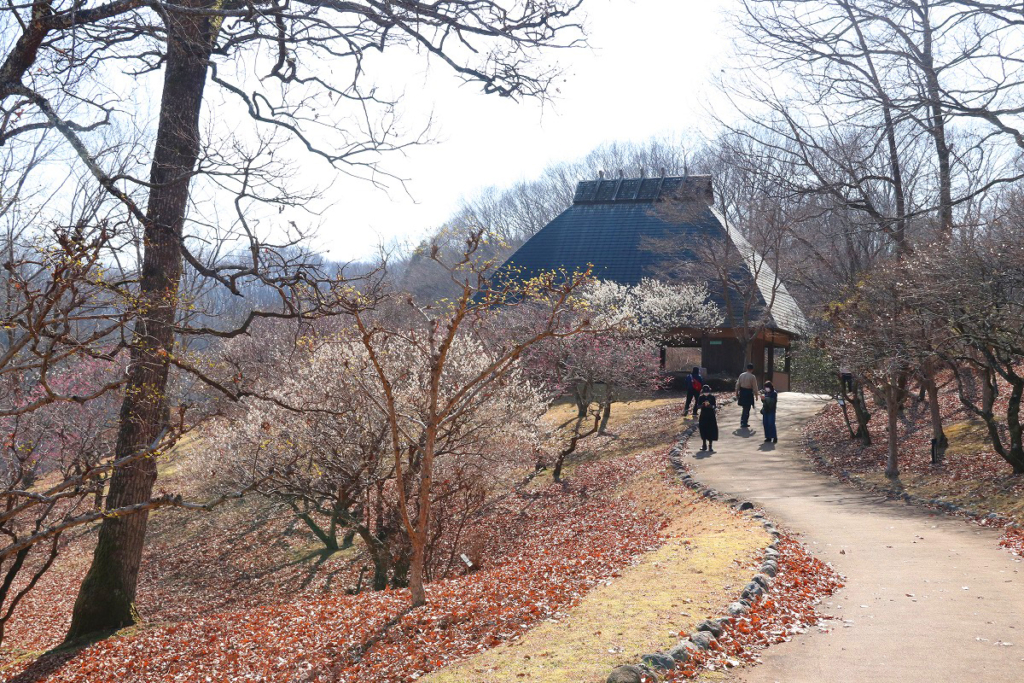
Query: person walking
{"type": "Point", "coordinates": [746, 394]}
{"type": "Point", "coordinates": [708, 423]}
{"type": "Point", "coordinates": [846, 378]}
{"type": "Point", "coordinates": [694, 383]}
{"type": "Point", "coordinates": [769, 402]}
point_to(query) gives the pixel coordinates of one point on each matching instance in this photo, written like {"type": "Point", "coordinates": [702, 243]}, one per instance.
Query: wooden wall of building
{"type": "Point", "coordinates": [724, 357]}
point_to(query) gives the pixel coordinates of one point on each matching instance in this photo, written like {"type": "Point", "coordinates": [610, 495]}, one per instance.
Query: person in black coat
{"type": "Point", "coordinates": [769, 402]}
{"type": "Point", "coordinates": [708, 423]}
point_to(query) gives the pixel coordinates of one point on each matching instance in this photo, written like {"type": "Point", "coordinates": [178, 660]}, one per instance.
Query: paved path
{"type": "Point", "coordinates": [965, 619]}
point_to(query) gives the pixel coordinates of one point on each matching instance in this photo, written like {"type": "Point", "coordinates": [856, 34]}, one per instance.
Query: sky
{"type": "Point", "coordinates": [648, 71]}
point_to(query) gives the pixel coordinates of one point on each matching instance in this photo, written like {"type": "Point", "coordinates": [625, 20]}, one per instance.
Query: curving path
{"type": "Point", "coordinates": [928, 598]}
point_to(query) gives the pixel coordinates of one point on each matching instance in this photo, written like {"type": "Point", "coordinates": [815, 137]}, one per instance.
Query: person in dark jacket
{"type": "Point", "coordinates": [694, 383]}
{"type": "Point", "coordinates": [769, 402]}
{"type": "Point", "coordinates": [708, 423]}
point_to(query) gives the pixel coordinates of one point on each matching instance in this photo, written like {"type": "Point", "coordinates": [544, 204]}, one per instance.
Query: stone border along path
{"type": "Point", "coordinates": [928, 597]}
{"type": "Point", "coordinates": [708, 630]}
{"type": "Point", "coordinates": [983, 516]}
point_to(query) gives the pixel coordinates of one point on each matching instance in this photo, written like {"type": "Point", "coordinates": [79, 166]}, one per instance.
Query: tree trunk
{"type": "Point", "coordinates": [605, 416]}
{"type": "Point", "coordinates": [892, 469]}
{"type": "Point", "coordinates": [329, 538]}
{"type": "Point", "coordinates": [417, 589]}
{"type": "Point", "coordinates": [583, 395]}
{"type": "Point", "coordinates": [380, 571]}
{"type": "Point", "coordinates": [556, 474]}
{"type": "Point", "coordinates": [937, 127]}
{"type": "Point", "coordinates": [938, 435]}
{"type": "Point", "coordinates": [1015, 455]}
{"type": "Point", "coordinates": [1013, 452]}
{"type": "Point", "coordinates": [849, 425]}
{"type": "Point", "coordinates": [860, 410]}
{"type": "Point", "coordinates": [417, 578]}
{"type": "Point", "coordinates": [379, 554]}
{"type": "Point", "coordinates": [574, 441]}
{"type": "Point", "coordinates": [400, 575]}
{"type": "Point", "coordinates": [106, 599]}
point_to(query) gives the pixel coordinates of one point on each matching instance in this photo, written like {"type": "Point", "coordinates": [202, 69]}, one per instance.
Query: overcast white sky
{"type": "Point", "coordinates": [647, 72]}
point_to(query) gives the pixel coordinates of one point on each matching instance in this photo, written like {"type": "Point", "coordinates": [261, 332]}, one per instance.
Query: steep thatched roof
{"type": "Point", "coordinates": [631, 228]}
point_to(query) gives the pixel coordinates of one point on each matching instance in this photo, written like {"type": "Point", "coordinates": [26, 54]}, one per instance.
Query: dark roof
{"type": "Point", "coordinates": [644, 190]}
{"type": "Point", "coordinates": [633, 228]}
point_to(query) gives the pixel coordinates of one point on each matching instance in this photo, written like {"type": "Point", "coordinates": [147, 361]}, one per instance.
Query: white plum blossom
{"type": "Point", "coordinates": [652, 309]}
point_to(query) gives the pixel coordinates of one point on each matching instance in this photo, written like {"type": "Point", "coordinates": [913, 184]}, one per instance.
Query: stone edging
{"type": "Point", "coordinates": [707, 631]}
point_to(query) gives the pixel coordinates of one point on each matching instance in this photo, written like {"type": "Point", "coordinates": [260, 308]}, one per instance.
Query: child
{"type": "Point", "coordinates": [708, 423]}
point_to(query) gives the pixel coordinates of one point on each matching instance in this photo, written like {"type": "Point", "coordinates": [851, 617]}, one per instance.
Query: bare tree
{"type": "Point", "coordinates": [864, 103]}
{"type": "Point", "coordinates": [983, 327]}
{"type": "Point", "coordinates": [198, 43]}
{"type": "Point", "coordinates": [428, 344]}
{"type": "Point", "coordinates": [875, 333]}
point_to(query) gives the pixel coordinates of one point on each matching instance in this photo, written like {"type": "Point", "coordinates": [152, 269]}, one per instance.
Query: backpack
{"type": "Point", "coordinates": [696, 383]}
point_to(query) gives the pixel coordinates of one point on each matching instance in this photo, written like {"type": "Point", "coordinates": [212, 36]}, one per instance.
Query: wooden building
{"type": "Point", "coordinates": [667, 228]}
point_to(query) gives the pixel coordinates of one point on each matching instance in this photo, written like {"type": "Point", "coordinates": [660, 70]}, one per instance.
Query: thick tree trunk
{"type": "Point", "coordinates": [605, 416]}
{"type": "Point", "coordinates": [892, 469]}
{"type": "Point", "coordinates": [417, 587]}
{"type": "Point", "coordinates": [938, 435]}
{"type": "Point", "coordinates": [417, 577]}
{"type": "Point", "coordinates": [400, 571]}
{"type": "Point", "coordinates": [381, 568]}
{"type": "Point", "coordinates": [105, 600]}
{"type": "Point", "coordinates": [329, 537]}
{"type": "Point", "coordinates": [937, 127]}
{"type": "Point", "coordinates": [1015, 454]}
{"type": "Point", "coordinates": [378, 554]}
{"type": "Point", "coordinates": [860, 410]}
{"type": "Point", "coordinates": [583, 395]}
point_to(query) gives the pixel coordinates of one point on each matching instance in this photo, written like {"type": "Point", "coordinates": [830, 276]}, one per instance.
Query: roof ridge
{"type": "Point", "coordinates": [644, 190]}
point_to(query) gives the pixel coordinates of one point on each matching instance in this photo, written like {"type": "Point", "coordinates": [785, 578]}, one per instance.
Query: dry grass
{"type": "Point", "coordinates": [623, 412]}
{"type": "Point", "coordinates": [621, 439]}
{"type": "Point", "coordinates": [668, 591]}
{"type": "Point", "coordinates": [967, 437]}
{"type": "Point", "coordinates": [981, 496]}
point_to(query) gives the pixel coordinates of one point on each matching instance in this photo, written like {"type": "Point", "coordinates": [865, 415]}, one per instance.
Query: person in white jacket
{"type": "Point", "coordinates": [746, 394]}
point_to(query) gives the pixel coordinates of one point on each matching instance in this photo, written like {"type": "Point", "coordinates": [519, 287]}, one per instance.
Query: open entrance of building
{"type": "Point", "coordinates": [722, 358]}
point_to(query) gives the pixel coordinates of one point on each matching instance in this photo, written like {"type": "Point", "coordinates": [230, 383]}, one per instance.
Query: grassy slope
{"type": "Point", "coordinates": [669, 590]}
{"type": "Point", "coordinates": [245, 555]}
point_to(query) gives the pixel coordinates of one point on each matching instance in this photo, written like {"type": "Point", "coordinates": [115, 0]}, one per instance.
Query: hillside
{"type": "Point", "coordinates": [972, 478]}
{"type": "Point", "coordinates": [242, 591]}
